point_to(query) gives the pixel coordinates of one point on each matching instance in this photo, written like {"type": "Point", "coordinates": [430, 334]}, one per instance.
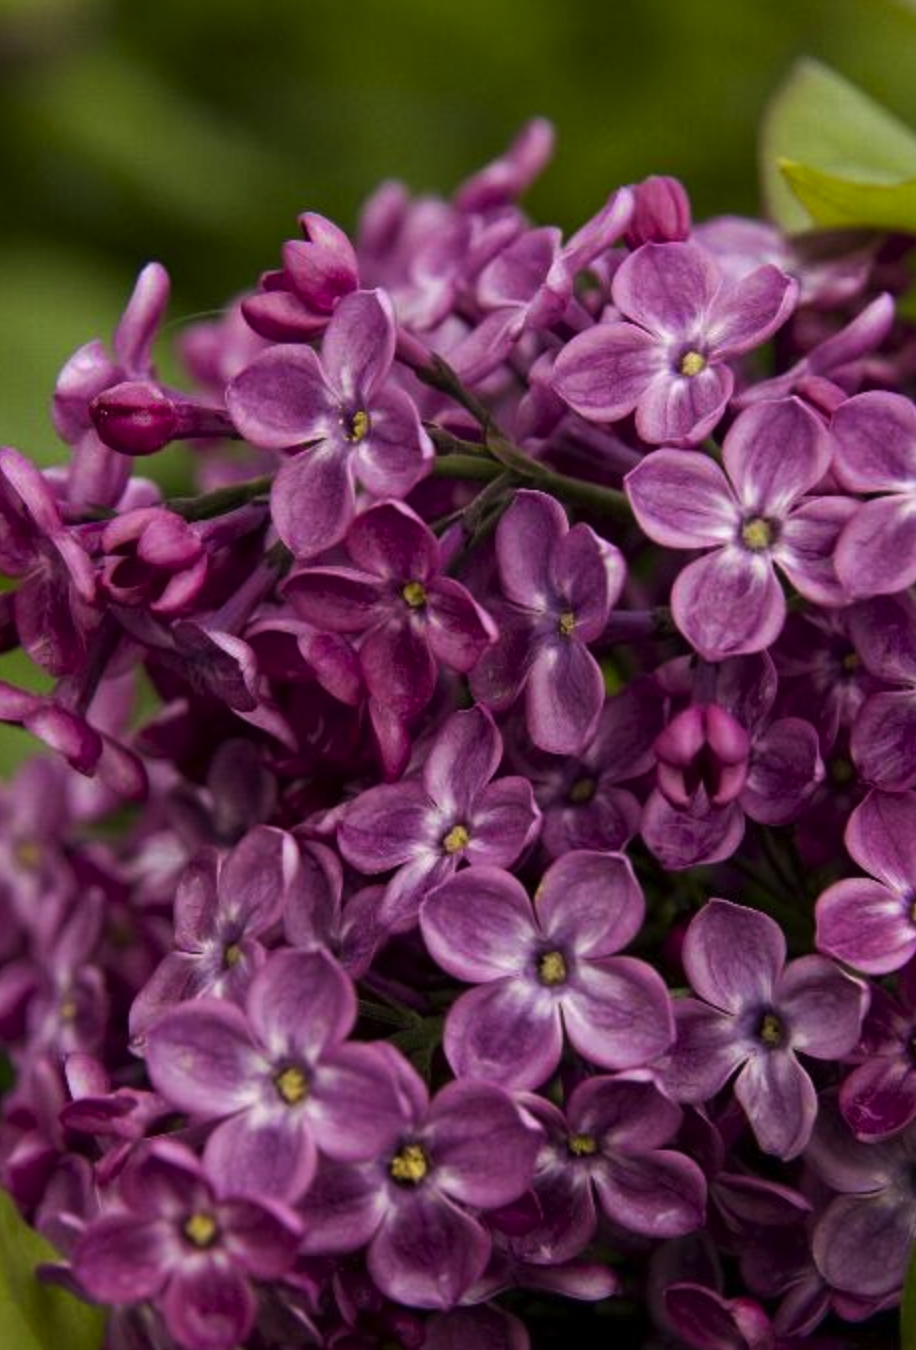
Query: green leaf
{"type": "Point", "coordinates": [835, 202]}
{"type": "Point", "coordinates": [819, 123]}
{"type": "Point", "coordinates": [908, 1307]}
{"type": "Point", "coordinates": [36, 1316]}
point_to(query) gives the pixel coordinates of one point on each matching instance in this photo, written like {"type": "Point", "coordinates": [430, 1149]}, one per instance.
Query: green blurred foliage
{"type": "Point", "coordinates": [195, 132]}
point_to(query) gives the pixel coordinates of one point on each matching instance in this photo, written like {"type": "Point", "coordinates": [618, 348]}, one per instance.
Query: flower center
{"type": "Point", "coordinates": [200, 1230]}
{"type": "Point", "coordinates": [552, 968]}
{"type": "Point", "coordinates": [410, 1166]}
{"type": "Point", "coordinates": [67, 1010]}
{"type": "Point", "coordinates": [692, 363]}
{"type": "Point", "coordinates": [757, 534]}
{"type": "Point", "coordinates": [771, 1031]}
{"type": "Point", "coordinates": [850, 662]}
{"type": "Point", "coordinates": [27, 854]}
{"type": "Point", "coordinates": [582, 791]}
{"type": "Point", "coordinates": [566, 623]}
{"type": "Point", "coordinates": [458, 838]}
{"type": "Point", "coordinates": [415, 594]}
{"type": "Point", "coordinates": [232, 955]}
{"type": "Point", "coordinates": [356, 426]}
{"type": "Point", "coordinates": [582, 1145]}
{"type": "Point", "coordinates": [292, 1085]}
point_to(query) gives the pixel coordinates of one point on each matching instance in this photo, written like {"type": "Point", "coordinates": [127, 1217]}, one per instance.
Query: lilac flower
{"type": "Point", "coordinates": [669, 361]}
{"type": "Point", "coordinates": [705, 1320]}
{"type": "Point", "coordinates": [871, 924]}
{"type": "Point", "coordinates": [863, 1239]}
{"type": "Point", "coordinates": [560, 585]}
{"type": "Point", "coordinates": [410, 616]}
{"type": "Point", "coordinates": [469, 1148]}
{"type": "Point", "coordinates": [883, 738]}
{"type": "Point", "coordinates": [545, 968]}
{"type": "Point", "coordinates": [756, 1013]}
{"type": "Point", "coordinates": [97, 475]}
{"type": "Point", "coordinates": [661, 212]}
{"type": "Point", "coordinates": [452, 813]}
{"type": "Point", "coordinates": [343, 416]}
{"type": "Point", "coordinates": [154, 558]}
{"type": "Point", "coordinates": [192, 1248]}
{"type": "Point", "coordinates": [280, 1080]}
{"type": "Point", "coordinates": [753, 518]}
{"type": "Point", "coordinates": [878, 1099]}
{"type": "Point", "coordinates": [222, 908]}
{"type": "Point", "coordinates": [296, 302]}
{"type": "Point", "coordinates": [609, 1146]}
{"type": "Point", "coordinates": [57, 576]}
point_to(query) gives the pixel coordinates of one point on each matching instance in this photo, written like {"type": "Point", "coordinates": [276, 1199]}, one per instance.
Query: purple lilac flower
{"type": "Point", "coordinates": [883, 739]}
{"type": "Point", "coordinates": [753, 517]}
{"type": "Point", "coordinates": [863, 1239]}
{"type": "Point", "coordinates": [448, 815]}
{"type": "Point", "coordinates": [222, 908]}
{"type": "Point", "coordinates": [828, 271]}
{"type": "Point", "coordinates": [341, 414]}
{"type": "Point", "coordinates": [57, 577]}
{"type": "Point", "coordinates": [560, 585]}
{"type": "Point", "coordinates": [178, 1239]}
{"type": "Point", "coordinates": [685, 322]}
{"type": "Point", "coordinates": [154, 558]}
{"type": "Point", "coordinates": [469, 1148]}
{"type": "Point", "coordinates": [871, 923]}
{"type": "Point", "coordinates": [707, 1321]}
{"type": "Point", "coordinates": [98, 475]}
{"type": "Point", "coordinates": [609, 1147]}
{"type": "Point", "coordinates": [661, 212]}
{"type": "Point", "coordinates": [878, 1099]}
{"type": "Point", "coordinates": [410, 617]}
{"type": "Point", "coordinates": [296, 302]}
{"type": "Point", "coordinates": [280, 1080]}
{"type": "Point", "coordinates": [546, 968]}
{"type": "Point", "coordinates": [756, 1013]}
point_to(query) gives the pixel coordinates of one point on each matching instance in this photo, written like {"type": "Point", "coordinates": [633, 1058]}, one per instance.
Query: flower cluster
{"type": "Point", "coordinates": [476, 854]}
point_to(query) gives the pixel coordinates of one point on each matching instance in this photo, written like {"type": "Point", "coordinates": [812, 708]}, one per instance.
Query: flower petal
{"type": "Point", "coordinates": [507, 1031]}
{"type": "Point", "coordinates": [312, 500]}
{"type": "Point", "coordinates": [263, 1153]}
{"type": "Point", "coordinates": [462, 760]}
{"type": "Point", "coordinates": [866, 925]}
{"type": "Point", "coordinates": [390, 541]}
{"type": "Point", "coordinates": [806, 550]}
{"type": "Point", "coordinates": [505, 819]}
{"type": "Point", "coordinates": [707, 1052]}
{"type": "Point", "coordinates": [482, 1150]}
{"type": "Point", "coordinates": [202, 1059]}
{"type": "Point", "coordinates": [683, 409]}
{"type": "Point", "coordinates": [774, 453]}
{"type": "Point", "coordinates": [590, 903]}
{"type": "Point", "coordinates": [744, 315]}
{"type": "Point", "coordinates": [660, 1194]}
{"type": "Point", "coordinates": [733, 956]}
{"type": "Point", "coordinates": [876, 552]}
{"type": "Point", "coordinates": [427, 1253]}
{"type": "Point", "coordinates": [354, 1108]}
{"type": "Point", "coordinates": [875, 438]}
{"type": "Point", "coordinates": [862, 1243]}
{"type": "Point", "coordinates": [209, 1304]}
{"type": "Point", "coordinates": [385, 826]}
{"type": "Point", "coordinates": [667, 288]}
{"type": "Point", "coordinates": [301, 1004]}
{"type": "Point", "coordinates": [604, 372]}
{"type": "Point", "coordinates": [397, 452]}
{"type": "Point", "coordinates": [120, 1259]}
{"type": "Point", "coordinates": [779, 1101]}
{"type": "Point", "coordinates": [479, 925]}
{"type": "Point", "coordinates": [564, 696]}
{"type": "Point", "coordinates": [728, 603]}
{"type": "Point", "coordinates": [682, 499]}
{"type": "Point", "coordinates": [881, 836]}
{"type": "Point", "coordinates": [526, 538]}
{"type": "Point", "coordinates": [281, 399]}
{"type": "Point", "coordinates": [883, 740]}
{"type": "Point", "coordinates": [617, 1013]}
{"type": "Point", "coordinates": [823, 1005]}
{"type": "Point", "coordinates": [358, 346]}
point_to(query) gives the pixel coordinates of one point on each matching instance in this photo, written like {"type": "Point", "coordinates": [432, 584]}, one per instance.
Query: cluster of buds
{"type": "Point", "coordinates": [471, 883]}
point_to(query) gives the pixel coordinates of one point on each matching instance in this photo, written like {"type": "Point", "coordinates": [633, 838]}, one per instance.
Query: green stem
{"type": "Point", "coordinates": [222, 501]}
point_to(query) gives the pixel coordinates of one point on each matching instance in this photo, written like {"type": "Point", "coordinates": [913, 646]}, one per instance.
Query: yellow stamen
{"type": "Point", "coordinates": [232, 955]}
{"type": "Point", "coordinates": [457, 839]}
{"type": "Point", "coordinates": [582, 791]}
{"type": "Point", "coordinates": [409, 1166]}
{"type": "Point", "coordinates": [357, 426]}
{"type": "Point", "coordinates": [292, 1085]}
{"type": "Point", "coordinates": [692, 363]}
{"type": "Point", "coordinates": [757, 534]}
{"type": "Point", "coordinates": [27, 854]}
{"type": "Point", "coordinates": [582, 1145]}
{"type": "Point", "coordinates": [851, 661]}
{"type": "Point", "coordinates": [200, 1230]}
{"type": "Point", "coordinates": [771, 1031]}
{"type": "Point", "coordinates": [552, 968]}
{"type": "Point", "coordinates": [68, 1010]}
{"type": "Point", "coordinates": [415, 594]}
{"type": "Point", "coordinates": [567, 623]}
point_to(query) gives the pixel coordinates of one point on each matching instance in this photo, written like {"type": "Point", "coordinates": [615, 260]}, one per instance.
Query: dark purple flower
{"type": "Point", "coordinates": [661, 212]}
{"type": "Point", "coordinates": [871, 924]}
{"type": "Point", "coordinates": [753, 518]}
{"type": "Point", "coordinates": [222, 908]}
{"type": "Point", "coordinates": [705, 1320]}
{"type": "Point", "coordinates": [98, 475]}
{"type": "Point", "coordinates": [669, 362]}
{"type": "Point", "coordinates": [469, 1148]}
{"type": "Point", "coordinates": [450, 814]}
{"type": "Point", "coordinates": [546, 968]}
{"type": "Point", "coordinates": [174, 1238]}
{"type": "Point", "coordinates": [756, 1013]}
{"type": "Point", "coordinates": [280, 1080]}
{"type": "Point", "coordinates": [609, 1146]}
{"type": "Point", "coordinates": [341, 413]}
{"type": "Point", "coordinates": [560, 585]}
{"type": "Point", "coordinates": [410, 617]}
{"type": "Point", "coordinates": [863, 1240]}
{"type": "Point", "coordinates": [879, 1097]}
{"type": "Point", "coordinates": [883, 738]}
{"type": "Point", "coordinates": [153, 557]}
{"type": "Point", "coordinates": [875, 436]}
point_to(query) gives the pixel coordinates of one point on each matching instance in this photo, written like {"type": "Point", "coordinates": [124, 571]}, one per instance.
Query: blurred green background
{"type": "Point", "coordinates": [193, 131]}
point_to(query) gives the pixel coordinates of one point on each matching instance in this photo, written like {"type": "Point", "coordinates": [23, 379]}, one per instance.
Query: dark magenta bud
{"type": "Point", "coordinates": [703, 747]}
{"type": "Point", "coordinates": [661, 214]}
{"type": "Point", "coordinates": [134, 418]}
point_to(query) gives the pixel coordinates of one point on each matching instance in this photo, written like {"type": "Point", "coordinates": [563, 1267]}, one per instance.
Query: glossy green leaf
{"type": "Point", "coordinates": [819, 122]}
{"type": "Point", "coordinates": [33, 1315]}
{"type": "Point", "coordinates": [835, 202]}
